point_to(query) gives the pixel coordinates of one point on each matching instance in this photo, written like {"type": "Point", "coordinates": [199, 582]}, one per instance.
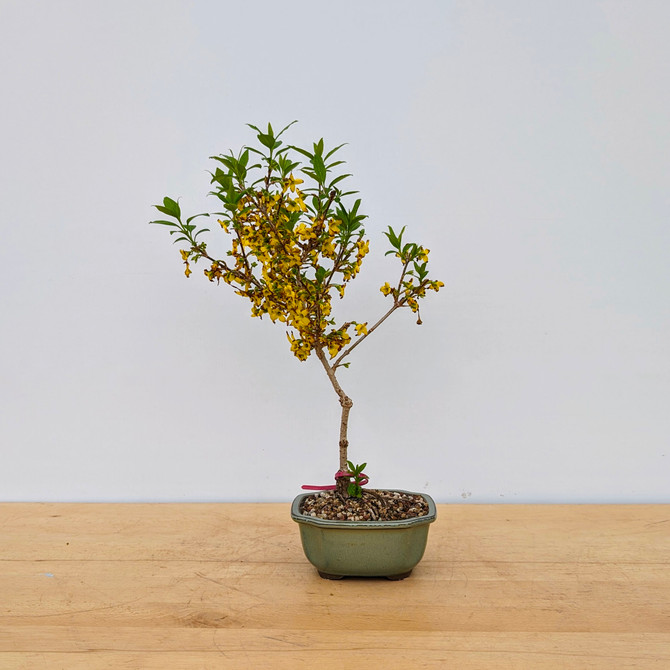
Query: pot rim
{"type": "Point", "coordinates": [298, 517]}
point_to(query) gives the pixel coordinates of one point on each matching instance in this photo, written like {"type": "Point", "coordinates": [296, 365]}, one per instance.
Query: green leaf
{"type": "Point", "coordinates": [172, 204]}
{"type": "Point", "coordinates": [395, 240]}
{"type": "Point", "coordinates": [195, 216]}
{"type": "Point", "coordinates": [337, 180]}
{"type": "Point", "coordinates": [229, 161]}
{"type": "Point", "coordinates": [172, 224]}
{"type": "Point", "coordinates": [256, 151]}
{"type": "Point", "coordinates": [292, 220]}
{"type": "Point", "coordinates": [304, 152]}
{"type": "Point", "coordinates": [281, 132]}
{"type": "Point", "coordinates": [266, 140]}
{"type": "Point", "coordinates": [420, 270]}
{"type": "Point", "coordinates": [332, 151]}
{"type": "Point", "coordinates": [319, 168]}
{"type": "Point", "coordinates": [169, 207]}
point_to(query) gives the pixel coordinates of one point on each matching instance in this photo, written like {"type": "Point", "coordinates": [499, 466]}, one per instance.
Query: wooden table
{"type": "Point", "coordinates": [217, 586]}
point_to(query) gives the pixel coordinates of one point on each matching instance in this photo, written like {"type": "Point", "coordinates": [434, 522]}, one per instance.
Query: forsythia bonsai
{"type": "Point", "coordinates": [296, 242]}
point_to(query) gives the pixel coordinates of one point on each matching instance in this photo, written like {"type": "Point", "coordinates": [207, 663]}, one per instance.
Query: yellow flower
{"type": "Point", "coordinates": [214, 272]}
{"type": "Point", "coordinates": [361, 328]}
{"type": "Point", "coordinates": [303, 232]}
{"type": "Point", "coordinates": [187, 271]}
{"type": "Point", "coordinates": [329, 249]}
{"type": "Point", "coordinates": [292, 182]}
{"type": "Point", "coordinates": [386, 289]}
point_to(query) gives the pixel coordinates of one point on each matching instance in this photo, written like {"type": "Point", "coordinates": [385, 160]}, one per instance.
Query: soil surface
{"type": "Point", "coordinates": [375, 505]}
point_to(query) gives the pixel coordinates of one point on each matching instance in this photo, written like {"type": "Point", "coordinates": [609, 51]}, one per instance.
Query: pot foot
{"type": "Point", "coordinates": [326, 575]}
{"type": "Point", "coordinates": [397, 578]}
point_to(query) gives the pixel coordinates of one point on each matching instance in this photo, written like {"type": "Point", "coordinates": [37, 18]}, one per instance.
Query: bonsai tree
{"type": "Point", "coordinates": [296, 241]}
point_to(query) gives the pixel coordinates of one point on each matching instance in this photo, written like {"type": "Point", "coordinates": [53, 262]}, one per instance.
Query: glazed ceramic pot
{"type": "Point", "coordinates": [388, 549]}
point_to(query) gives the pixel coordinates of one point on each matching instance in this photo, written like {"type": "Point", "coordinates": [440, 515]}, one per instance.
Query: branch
{"type": "Point", "coordinates": [396, 305]}
{"type": "Point", "coordinates": [330, 371]}
{"type": "Point", "coordinates": [348, 350]}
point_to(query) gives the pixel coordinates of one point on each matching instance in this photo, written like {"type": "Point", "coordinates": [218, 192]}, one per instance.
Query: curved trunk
{"type": "Point", "coordinates": [346, 403]}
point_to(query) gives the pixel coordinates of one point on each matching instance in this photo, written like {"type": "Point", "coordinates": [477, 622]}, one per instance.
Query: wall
{"type": "Point", "coordinates": [524, 142]}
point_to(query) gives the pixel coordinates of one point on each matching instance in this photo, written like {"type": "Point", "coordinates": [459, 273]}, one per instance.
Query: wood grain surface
{"type": "Point", "coordinates": [218, 586]}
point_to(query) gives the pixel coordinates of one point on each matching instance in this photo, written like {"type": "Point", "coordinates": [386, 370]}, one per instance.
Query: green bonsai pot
{"type": "Point", "coordinates": [339, 549]}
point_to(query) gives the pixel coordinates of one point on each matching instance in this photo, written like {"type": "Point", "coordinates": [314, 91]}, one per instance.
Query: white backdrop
{"type": "Point", "coordinates": [525, 142]}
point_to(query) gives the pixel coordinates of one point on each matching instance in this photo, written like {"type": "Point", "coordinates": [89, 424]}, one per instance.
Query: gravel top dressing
{"type": "Point", "coordinates": [375, 505]}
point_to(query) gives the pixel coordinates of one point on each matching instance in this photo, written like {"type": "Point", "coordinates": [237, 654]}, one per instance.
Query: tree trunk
{"type": "Point", "coordinates": [346, 403]}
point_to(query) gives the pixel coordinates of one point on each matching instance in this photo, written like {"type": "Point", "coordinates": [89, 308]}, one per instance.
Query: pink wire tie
{"type": "Point", "coordinates": [338, 475]}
